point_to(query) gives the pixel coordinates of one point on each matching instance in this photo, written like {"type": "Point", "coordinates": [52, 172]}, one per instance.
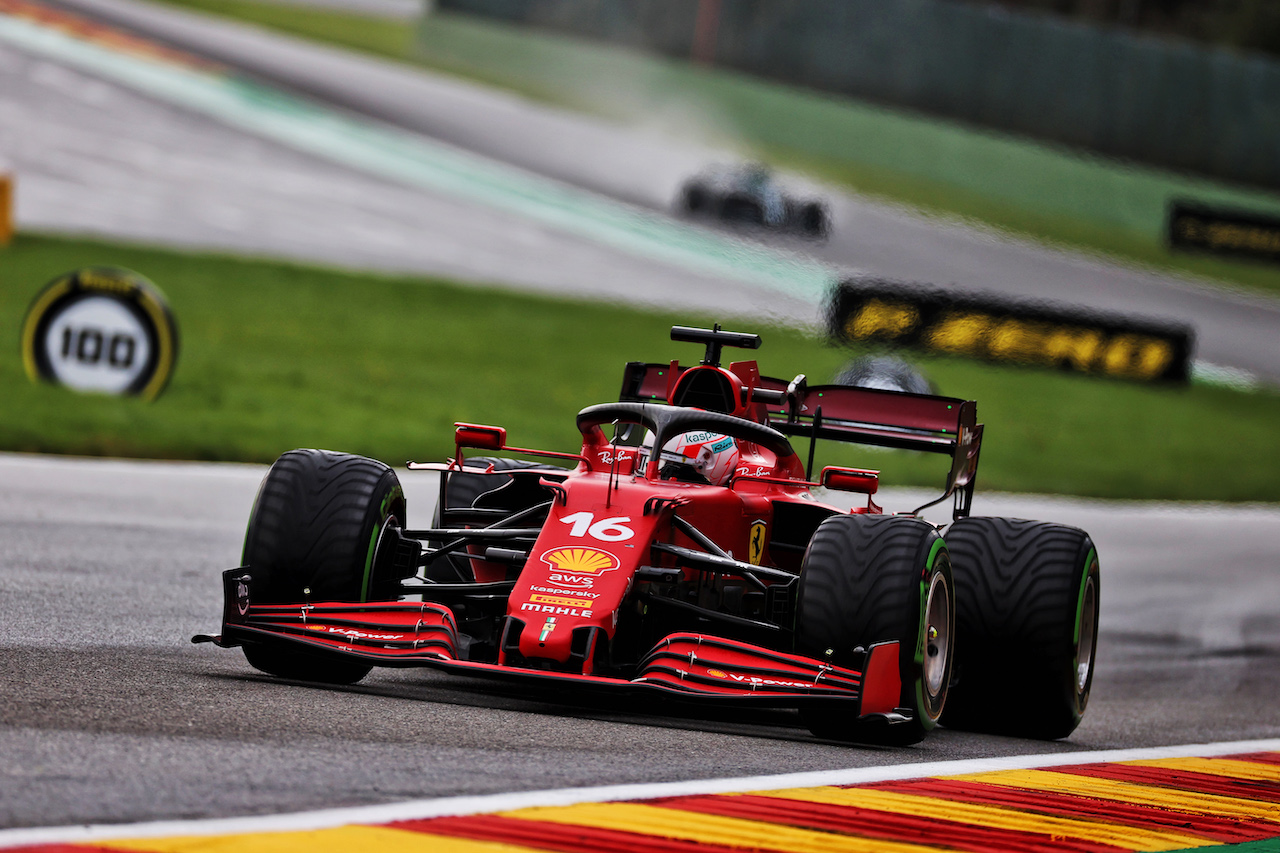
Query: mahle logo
{"type": "Point", "coordinates": [580, 561]}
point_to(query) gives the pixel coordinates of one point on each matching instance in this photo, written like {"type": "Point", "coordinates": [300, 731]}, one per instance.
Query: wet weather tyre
{"type": "Point", "coordinates": [1027, 598]}
{"type": "Point", "coordinates": [871, 578]}
{"type": "Point", "coordinates": [312, 535]}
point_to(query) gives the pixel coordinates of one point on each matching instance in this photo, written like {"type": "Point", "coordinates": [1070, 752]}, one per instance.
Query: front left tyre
{"type": "Point", "coordinates": [312, 536]}
{"type": "Point", "coordinates": [868, 579]}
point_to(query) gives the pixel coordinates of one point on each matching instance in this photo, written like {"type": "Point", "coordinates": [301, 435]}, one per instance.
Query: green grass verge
{"type": "Point", "coordinates": [1045, 192]}
{"type": "Point", "coordinates": [276, 356]}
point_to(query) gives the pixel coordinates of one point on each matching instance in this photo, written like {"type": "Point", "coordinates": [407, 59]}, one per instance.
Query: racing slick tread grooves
{"type": "Point", "coordinates": [1019, 596]}
{"type": "Point", "coordinates": [880, 597]}
{"type": "Point", "coordinates": [1017, 586]}
{"type": "Point", "coordinates": [861, 583]}
{"type": "Point", "coordinates": [308, 522]}
{"type": "Point", "coordinates": [309, 538]}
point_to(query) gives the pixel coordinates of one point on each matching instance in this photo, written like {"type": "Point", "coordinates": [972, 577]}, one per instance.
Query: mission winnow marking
{"type": "Point", "coordinates": [1182, 798]}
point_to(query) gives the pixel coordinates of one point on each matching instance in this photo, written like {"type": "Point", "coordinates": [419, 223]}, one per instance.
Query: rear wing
{"type": "Point", "coordinates": [895, 419]}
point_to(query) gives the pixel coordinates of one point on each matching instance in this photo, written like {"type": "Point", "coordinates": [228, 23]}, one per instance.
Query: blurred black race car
{"type": "Point", "coordinates": [750, 194]}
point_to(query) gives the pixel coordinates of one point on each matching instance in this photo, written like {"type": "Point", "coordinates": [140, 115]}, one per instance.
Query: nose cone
{"type": "Point", "coordinates": [580, 570]}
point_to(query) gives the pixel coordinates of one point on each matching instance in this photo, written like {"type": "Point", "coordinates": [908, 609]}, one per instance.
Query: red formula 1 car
{"type": "Point", "coordinates": [686, 550]}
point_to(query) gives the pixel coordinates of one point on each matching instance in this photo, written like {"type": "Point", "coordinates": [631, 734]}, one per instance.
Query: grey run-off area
{"type": "Point", "coordinates": [112, 715]}
{"type": "Point", "coordinates": [98, 159]}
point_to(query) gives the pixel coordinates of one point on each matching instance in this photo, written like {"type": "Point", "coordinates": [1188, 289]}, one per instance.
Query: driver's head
{"type": "Point", "coordinates": [698, 455]}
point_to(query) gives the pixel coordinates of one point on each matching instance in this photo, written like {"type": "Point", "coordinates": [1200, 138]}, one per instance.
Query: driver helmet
{"type": "Point", "coordinates": [711, 456]}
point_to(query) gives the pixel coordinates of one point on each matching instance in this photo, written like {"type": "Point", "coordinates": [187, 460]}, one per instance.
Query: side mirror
{"type": "Point", "coordinates": [858, 480]}
{"type": "Point", "coordinates": [479, 436]}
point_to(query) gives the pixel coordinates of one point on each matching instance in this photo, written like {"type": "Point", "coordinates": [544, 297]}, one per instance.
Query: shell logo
{"type": "Point", "coordinates": [580, 560]}
{"type": "Point", "coordinates": [717, 673]}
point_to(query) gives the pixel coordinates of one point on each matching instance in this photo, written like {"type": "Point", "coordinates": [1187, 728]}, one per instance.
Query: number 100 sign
{"type": "Point", "coordinates": [101, 329]}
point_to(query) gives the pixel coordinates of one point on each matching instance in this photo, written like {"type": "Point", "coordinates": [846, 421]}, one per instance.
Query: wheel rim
{"type": "Point", "coordinates": [377, 552]}
{"type": "Point", "coordinates": [1084, 651]}
{"type": "Point", "coordinates": [937, 635]}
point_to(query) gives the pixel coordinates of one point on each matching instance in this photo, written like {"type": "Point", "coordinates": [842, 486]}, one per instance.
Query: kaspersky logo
{"type": "Point", "coordinates": [579, 560]}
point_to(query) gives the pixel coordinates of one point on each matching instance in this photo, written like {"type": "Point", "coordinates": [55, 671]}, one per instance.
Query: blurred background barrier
{"type": "Point", "coordinates": [878, 311]}
{"type": "Point", "coordinates": [1165, 102]}
{"type": "Point", "coordinates": [1230, 232]}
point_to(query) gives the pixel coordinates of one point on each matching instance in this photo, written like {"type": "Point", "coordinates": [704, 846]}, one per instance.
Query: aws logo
{"type": "Point", "coordinates": [579, 560]}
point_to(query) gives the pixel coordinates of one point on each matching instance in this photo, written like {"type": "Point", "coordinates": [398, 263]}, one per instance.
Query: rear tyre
{"type": "Point", "coordinates": [695, 198]}
{"type": "Point", "coordinates": [311, 537]}
{"type": "Point", "coordinates": [461, 491]}
{"type": "Point", "coordinates": [871, 578]}
{"type": "Point", "coordinates": [1027, 596]}
{"type": "Point", "coordinates": [813, 221]}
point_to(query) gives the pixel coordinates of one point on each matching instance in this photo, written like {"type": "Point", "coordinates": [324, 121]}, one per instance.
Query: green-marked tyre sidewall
{"type": "Point", "coordinates": [312, 536]}
{"type": "Point", "coordinates": [866, 580]}
{"type": "Point", "coordinates": [929, 708]}
{"type": "Point", "coordinates": [392, 501]}
{"type": "Point", "coordinates": [1086, 621]}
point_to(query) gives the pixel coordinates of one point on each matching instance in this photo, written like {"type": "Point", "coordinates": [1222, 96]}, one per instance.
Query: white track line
{"type": "Point", "coordinates": [422, 809]}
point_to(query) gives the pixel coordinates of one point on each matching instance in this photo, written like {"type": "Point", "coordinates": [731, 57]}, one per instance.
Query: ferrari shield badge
{"type": "Point", "coordinates": [756, 549]}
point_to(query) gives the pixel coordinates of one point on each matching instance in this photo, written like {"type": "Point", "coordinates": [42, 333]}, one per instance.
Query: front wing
{"type": "Point", "coordinates": [688, 665]}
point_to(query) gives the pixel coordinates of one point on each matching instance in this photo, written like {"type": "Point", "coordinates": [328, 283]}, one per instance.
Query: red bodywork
{"type": "Point", "coordinates": [624, 556]}
{"type": "Point", "coordinates": [405, 633]}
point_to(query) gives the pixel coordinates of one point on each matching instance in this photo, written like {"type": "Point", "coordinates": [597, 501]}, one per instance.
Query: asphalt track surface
{"type": "Point", "coordinates": [111, 715]}
{"type": "Point", "coordinates": [264, 198]}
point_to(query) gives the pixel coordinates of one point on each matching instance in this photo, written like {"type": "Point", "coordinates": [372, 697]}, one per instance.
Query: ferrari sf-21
{"type": "Point", "coordinates": [688, 549]}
